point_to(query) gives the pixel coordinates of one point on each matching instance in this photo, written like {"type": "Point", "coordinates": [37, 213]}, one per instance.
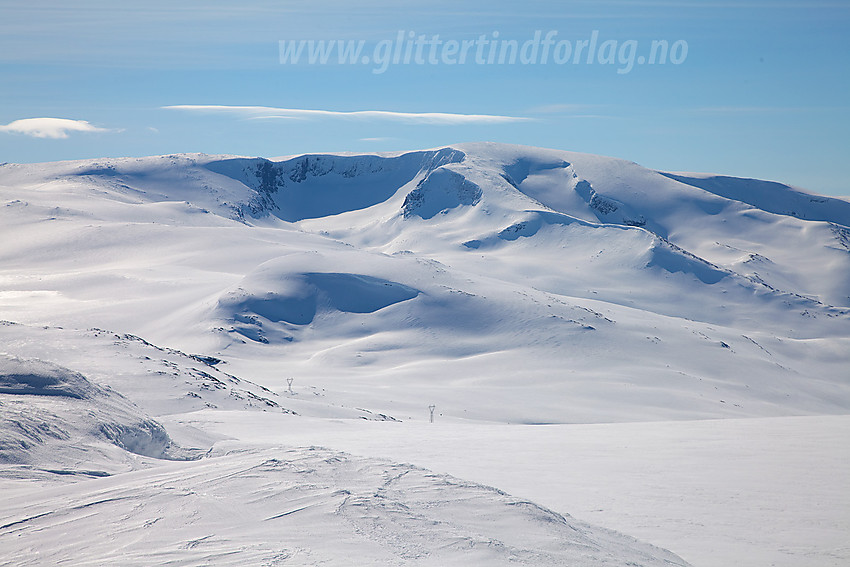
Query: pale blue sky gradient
{"type": "Point", "coordinates": [763, 91]}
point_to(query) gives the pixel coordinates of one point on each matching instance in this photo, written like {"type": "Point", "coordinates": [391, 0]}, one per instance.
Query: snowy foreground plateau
{"type": "Point", "coordinates": [210, 360]}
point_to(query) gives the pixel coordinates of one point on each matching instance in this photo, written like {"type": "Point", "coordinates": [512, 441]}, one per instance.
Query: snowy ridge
{"type": "Point", "coordinates": [289, 189]}
{"type": "Point", "coordinates": [43, 404]}
{"type": "Point", "coordinates": [772, 197]}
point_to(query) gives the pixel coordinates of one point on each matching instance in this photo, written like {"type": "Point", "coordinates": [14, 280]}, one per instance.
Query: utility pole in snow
{"type": "Point", "coordinates": [432, 407]}
{"type": "Point", "coordinates": [289, 382]}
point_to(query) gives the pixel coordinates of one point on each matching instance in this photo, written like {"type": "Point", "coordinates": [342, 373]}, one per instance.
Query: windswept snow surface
{"type": "Point", "coordinates": [304, 506]}
{"type": "Point", "coordinates": [503, 284]}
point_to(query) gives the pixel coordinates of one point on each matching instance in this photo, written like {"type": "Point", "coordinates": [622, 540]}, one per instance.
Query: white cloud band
{"type": "Point", "coordinates": [265, 112]}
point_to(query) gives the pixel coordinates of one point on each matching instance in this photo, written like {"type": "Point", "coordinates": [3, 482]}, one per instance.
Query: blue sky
{"type": "Point", "coordinates": [762, 90]}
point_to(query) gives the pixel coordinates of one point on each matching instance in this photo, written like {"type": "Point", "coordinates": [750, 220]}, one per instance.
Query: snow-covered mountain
{"type": "Point", "coordinates": [501, 284]}
{"type": "Point", "coordinates": [621, 292]}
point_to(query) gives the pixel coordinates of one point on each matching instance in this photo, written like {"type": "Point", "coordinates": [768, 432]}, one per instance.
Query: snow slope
{"type": "Point", "coordinates": [769, 491]}
{"type": "Point", "coordinates": [304, 506]}
{"type": "Point", "coordinates": [502, 284]}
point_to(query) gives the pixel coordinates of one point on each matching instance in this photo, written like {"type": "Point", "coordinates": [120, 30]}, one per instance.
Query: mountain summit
{"type": "Point", "coordinates": [484, 274]}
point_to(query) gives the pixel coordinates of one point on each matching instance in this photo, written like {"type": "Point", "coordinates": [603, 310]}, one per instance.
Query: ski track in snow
{"type": "Point", "coordinates": [305, 506]}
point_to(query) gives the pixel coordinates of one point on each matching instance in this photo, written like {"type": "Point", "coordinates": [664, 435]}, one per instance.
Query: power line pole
{"type": "Point", "coordinates": [432, 407]}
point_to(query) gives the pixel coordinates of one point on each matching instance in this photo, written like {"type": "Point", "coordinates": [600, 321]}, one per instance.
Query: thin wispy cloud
{"type": "Point", "coordinates": [570, 110]}
{"type": "Point", "coordinates": [563, 108]}
{"type": "Point", "coordinates": [267, 112]}
{"type": "Point", "coordinates": [755, 109]}
{"type": "Point", "coordinates": [55, 128]}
